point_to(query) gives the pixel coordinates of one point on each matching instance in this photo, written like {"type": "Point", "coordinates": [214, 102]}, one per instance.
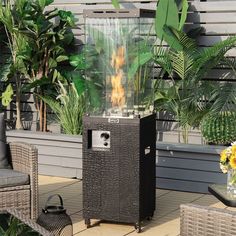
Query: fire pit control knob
{"type": "Point", "coordinates": [105, 136]}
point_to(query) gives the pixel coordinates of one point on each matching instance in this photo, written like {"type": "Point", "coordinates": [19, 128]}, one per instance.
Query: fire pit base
{"type": "Point", "coordinates": [119, 169]}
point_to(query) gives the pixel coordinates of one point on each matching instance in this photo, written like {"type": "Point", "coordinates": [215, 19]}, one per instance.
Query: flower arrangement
{"type": "Point", "coordinates": [228, 158]}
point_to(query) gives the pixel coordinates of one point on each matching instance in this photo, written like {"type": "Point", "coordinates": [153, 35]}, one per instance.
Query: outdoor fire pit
{"type": "Point", "coordinates": [119, 135]}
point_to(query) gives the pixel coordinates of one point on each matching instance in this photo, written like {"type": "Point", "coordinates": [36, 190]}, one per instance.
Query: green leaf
{"type": "Point", "coordinates": [37, 83]}
{"type": "Point", "coordinates": [5, 70]}
{"type": "Point", "coordinates": [195, 32]}
{"type": "Point", "coordinates": [79, 85]}
{"type": "Point", "coordinates": [54, 105]}
{"type": "Point", "coordinates": [140, 60]}
{"type": "Point", "coordinates": [48, 2]}
{"type": "Point", "coordinates": [52, 63]}
{"type": "Point", "coordinates": [184, 14]}
{"type": "Point", "coordinates": [94, 95]}
{"type": "Point", "coordinates": [116, 4]}
{"type": "Point", "coordinates": [78, 61]}
{"type": "Point", "coordinates": [7, 96]}
{"type": "Point", "coordinates": [167, 13]}
{"type": "Point", "coordinates": [67, 16]}
{"type": "Point", "coordinates": [172, 38]}
{"type": "Point", "coordinates": [42, 3]}
{"type": "Point", "coordinates": [62, 58]}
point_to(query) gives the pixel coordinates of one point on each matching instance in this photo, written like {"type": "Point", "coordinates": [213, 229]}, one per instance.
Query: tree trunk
{"type": "Point", "coordinates": [19, 125]}
{"type": "Point", "coordinates": [41, 116]}
{"type": "Point", "coordinates": [45, 117]}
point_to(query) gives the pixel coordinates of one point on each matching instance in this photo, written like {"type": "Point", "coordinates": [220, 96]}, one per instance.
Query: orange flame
{"type": "Point", "coordinates": [118, 92]}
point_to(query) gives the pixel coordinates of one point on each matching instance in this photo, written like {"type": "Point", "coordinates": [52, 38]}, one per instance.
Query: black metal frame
{"type": "Point", "coordinates": [220, 192]}
{"type": "Point", "coordinates": [119, 13]}
{"type": "Point", "coordinates": [119, 183]}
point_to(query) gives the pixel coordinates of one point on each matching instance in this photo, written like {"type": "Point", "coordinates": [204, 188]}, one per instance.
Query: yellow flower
{"type": "Point", "coordinates": [233, 150]}
{"type": "Point", "coordinates": [223, 156]}
{"type": "Point", "coordinates": [233, 161]}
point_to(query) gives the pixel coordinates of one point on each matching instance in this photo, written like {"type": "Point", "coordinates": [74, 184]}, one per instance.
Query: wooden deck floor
{"type": "Point", "coordinates": [165, 221]}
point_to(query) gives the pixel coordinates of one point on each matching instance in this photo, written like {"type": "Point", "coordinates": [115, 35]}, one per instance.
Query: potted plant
{"type": "Point", "coordinates": [189, 99]}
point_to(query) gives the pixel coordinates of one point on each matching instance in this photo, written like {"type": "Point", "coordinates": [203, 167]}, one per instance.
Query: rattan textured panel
{"type": "Point", "coordinates": [119, 183]}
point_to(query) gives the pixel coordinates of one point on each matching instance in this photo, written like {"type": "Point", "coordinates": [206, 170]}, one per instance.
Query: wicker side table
{"type": "Point", "coordinates": [28, 222]}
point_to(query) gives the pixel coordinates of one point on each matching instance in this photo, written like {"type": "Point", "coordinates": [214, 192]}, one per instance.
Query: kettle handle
{"type": "Point", "coordinates": [50, 198]}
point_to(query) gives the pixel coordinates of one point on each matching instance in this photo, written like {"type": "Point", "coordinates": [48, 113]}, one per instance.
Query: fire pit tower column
{"type": "Point", "coordinates": [119, 135]}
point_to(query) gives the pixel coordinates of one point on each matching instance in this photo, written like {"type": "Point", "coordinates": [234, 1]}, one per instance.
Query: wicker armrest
{"type": "Point", "coordinates": [25, 159]}
{"type": "Point", "coordinates": [206, 221]}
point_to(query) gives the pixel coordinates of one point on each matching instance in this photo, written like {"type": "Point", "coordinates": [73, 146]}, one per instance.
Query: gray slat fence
{"type": "Point", "coordinates": [218, 18]}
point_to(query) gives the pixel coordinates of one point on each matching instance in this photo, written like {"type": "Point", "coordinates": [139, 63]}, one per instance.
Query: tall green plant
{"type": "Point", "coordinates": [10, 17]}
{"type": "Point", "coordinates": [186, 64]}
{"type": "Point", "coordinates": [68, 107]}
{"type": "Point", "coordinates": [48, 34]}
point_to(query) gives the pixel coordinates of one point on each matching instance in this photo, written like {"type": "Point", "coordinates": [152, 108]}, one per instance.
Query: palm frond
{"type": "Point", "coordinates": [223, 98]}
{"type": "Point", "coordinates": [163, 59]}
{"type": "Point", "coordinates": [212, 56]}
{"type": "Point", "coordinates": [182, 63]}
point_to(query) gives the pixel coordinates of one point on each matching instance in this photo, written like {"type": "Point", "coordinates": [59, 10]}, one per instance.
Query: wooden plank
{"type": "Point", "coordinates": [215, 6]}
{"type": "Point", "coordinates": [45, 136]}
{"type": "Point", "coordinates": [61, 161]}
{"type": "Point", "coordinates": [174, 137]}
{"type": "Point", "coordinates": [188, 155]}
{"type": "Point", "coordinates": [173, 162]}
{"type": "Point", "coordinates": [59, 171]}
{"type": "Point", "coordinates": [181, 185]}
{"type": "Point", "coordinates": [76, 146]}
{"type": "Point", "coordinates": [190, 175]}
{"type": "Point", "coordinates": [190, 149]}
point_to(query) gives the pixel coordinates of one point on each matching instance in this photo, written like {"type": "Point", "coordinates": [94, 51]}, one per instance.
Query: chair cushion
{"type": "Point", "coordinates": [10, 178]}
{"type": "Point", "coordinates": [3, 146]}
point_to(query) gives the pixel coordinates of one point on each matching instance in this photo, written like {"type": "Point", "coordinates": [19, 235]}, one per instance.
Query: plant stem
{"type": "Point", "coordinates": [19, 125]}
{"type": "Point", "coordinates": [45, 117]}
{"type": "Point", "coordinates": [41, 116]}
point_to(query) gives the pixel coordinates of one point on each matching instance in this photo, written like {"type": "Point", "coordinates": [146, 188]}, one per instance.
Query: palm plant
{"type": "Point", "coordinates": [223, 96]}
{"type": "Point", "coordinates": [187, 96]}
{"type": "Point", "coordinates": [218, 126]}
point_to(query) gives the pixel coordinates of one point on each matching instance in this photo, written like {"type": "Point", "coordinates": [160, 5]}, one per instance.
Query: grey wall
{"type": "Point", "coordinates": [58, 155]}
{"type": "Point", "coordinates": [186, 167]}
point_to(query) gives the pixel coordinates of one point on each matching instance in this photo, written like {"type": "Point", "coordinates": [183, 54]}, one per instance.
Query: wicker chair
{"type": "Point", "coordinates": [23, 198]}
{"type": "Point", "coordinates": [206, 221]}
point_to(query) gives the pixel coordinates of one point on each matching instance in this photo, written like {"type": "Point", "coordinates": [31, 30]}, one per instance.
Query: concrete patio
{"type": "Point", "coordinates": [165, 221]}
